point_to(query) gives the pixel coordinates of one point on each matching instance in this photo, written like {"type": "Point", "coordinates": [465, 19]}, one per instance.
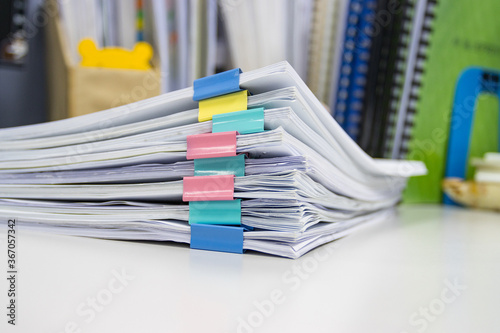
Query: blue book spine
{"type": "Point", "coordinates": [359, 75]}
{"type": "Point", "coordinates": [348, 49]}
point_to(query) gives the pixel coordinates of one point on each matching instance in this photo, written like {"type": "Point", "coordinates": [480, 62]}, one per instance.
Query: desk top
{"type": "Point", "coordinates": [430, 269]}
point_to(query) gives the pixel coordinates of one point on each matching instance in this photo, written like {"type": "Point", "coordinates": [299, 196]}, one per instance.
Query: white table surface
{"type": "Point", "coordinates": [431, 269]}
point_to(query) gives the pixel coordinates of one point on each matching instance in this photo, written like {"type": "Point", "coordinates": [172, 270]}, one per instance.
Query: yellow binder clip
{"type": "Point", "coordinates": [115, 57]}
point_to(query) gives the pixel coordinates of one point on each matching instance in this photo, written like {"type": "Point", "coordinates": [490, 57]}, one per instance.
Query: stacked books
{"type": "Point", "coordinates": [249, 161]}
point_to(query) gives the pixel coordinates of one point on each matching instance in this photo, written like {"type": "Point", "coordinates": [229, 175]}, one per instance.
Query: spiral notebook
{"type": "Point", "coordinates": [381, 76]}
{"type": "Point", "coordinates": [463, 41]}
{"type": "Point", "coordinates": [417, 55]}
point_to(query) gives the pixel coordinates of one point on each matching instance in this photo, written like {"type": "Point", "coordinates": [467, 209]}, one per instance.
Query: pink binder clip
{"type": "Point", "coordinates": [208, 188]}
{"type": "Point", "coordinates": [211, 145]}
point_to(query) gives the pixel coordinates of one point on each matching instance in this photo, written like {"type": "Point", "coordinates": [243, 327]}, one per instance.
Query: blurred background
{"type": "Point", "coordinates": [23, 93]}
{"type": "Point", "coordinates": [388, 70]}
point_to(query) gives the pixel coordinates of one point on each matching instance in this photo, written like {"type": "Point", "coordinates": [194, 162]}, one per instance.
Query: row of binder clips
{"type": "Point", "coordinates": [214, 214]}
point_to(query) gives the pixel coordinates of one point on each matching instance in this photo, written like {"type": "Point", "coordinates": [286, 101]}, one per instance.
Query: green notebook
{"type": "Point", "coordinates": [465, 34]}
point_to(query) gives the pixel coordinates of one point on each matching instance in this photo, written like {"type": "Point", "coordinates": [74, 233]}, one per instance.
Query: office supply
{"type": "Point", "coordinates": [217, 238]}
{"type": "Point", "coordinates": [217, 84]}
{"type": "Point", "coordinates": [211, 145]}
{"type": "Point", "coordinates": [472, 83]}
{"type": "Point", "coordinates": [209, 107]}
{"type": "Point", "coordinates": [396, 83]}
{"type": "Point", "coordinates": [228, 165]}
{"type": "Point", "coordinates": [346, 68]}
{"type": "Point", "coordinates": [214, 193]}
{"type": "Point", "coordinates": [244, 122]}
{"type": "Point", "coordinates": [322, 52]}
{"type": "Point", "coordinates": [159, 172]}
{"type": "Point", "coordinates": [421, 31]}
{"type": "Point", "coordinates": [387, 48]}
{"type": "Point", "coordinates": [287, 206]}
{"type": "Point", "coordinates": [359, 71]}
{"type": "Point", "coordinates": [224, 212]}
{"type": "Point", "coordinates": [453, 48]}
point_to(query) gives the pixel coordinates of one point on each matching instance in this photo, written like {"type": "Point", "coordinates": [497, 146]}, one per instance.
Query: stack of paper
{"type": "Point", "coordinates": [118, 173]}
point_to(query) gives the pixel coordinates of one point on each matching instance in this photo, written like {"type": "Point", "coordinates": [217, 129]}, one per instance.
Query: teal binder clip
{"type": "Point", "coordinates": [217, 238]}
{"type": "Point", "coordinates": [231, 165]}
{"type": "Point", "coordinates": [218, 84]}
{"type": "Point", "coordinates": [244, 122]}
{"type": "Point", "coordinates": [226, 212]}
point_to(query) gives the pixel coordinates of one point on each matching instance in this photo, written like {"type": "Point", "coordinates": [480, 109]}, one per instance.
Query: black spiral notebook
{"type": "Point", "coordinates": [410, 70]}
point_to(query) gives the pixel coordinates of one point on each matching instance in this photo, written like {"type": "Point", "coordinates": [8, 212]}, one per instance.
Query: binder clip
{"type": "Point", "coordinates": [236, 101]}
{"type": "Point", "coordinates": [217, 85]}
{"type": "Point", "coordinates": [218, 166]}
{"type": "Point", "coordinates": [471, 84]}
{"type": "Point", "coordinates": [214, 215]}
{"type": "Point", "coordinates": [211, 145]}
{"type": "Point", "coordinates": [217, 238]}
{"type": "Point", "coordinates": [244, 122]}
{"type": "Point", "coordinates": [219, 93]}
{"type": "Point", "coordinates": [208, 188]}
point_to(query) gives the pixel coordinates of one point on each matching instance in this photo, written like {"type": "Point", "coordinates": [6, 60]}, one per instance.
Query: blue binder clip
{"type": "Point", "coordinates": [218, 84]}
{"type": "Point", "coordinates": [472, 82]}
{"type": "Point", "coordinates": [217, 238]}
